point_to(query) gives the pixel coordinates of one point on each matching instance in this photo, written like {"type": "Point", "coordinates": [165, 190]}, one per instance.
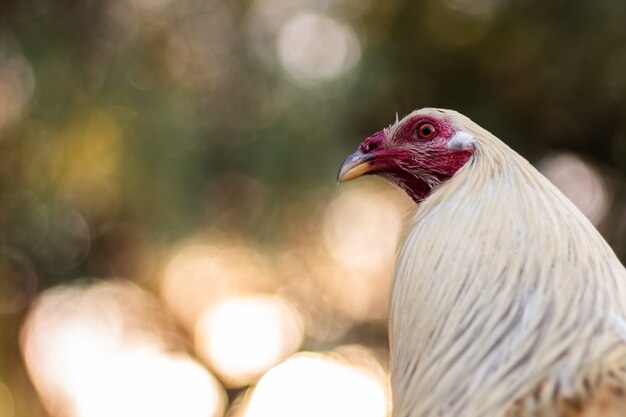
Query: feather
{"type": "Point", "coordinates": [506, 301]}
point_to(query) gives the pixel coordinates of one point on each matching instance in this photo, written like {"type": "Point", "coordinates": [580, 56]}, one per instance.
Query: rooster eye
{"type": "Point", "coordinates": [424, 131]}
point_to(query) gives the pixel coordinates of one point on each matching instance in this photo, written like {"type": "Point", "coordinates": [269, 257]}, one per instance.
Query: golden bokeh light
{"type": "Point", "coordinates": [330, 385]}
{"type": "Point", "coordinates": [17, 81]}
{"type": "Point", "coordinates": [359, 296]}
{"type": "Point", "coordinates": [200, 274]}
{"type": "Point", "coordinates": [264, 19]}
{"type": "Point", "coordinates": [362, 225]}
{"type": "Point", "coordinates": [107, 349]}
{"type": "Point", "coordinates": [360, 232]}
{"type": "Point", "coordinates": [580, 182]}
{"type": "Point", "coordinates": [325, 312]}
{"type": "Point", "coordinates": [149, 383]}
{"type": "Point", "coordinates": [7, 404]}
{"type": "Point", "coordinates": [314, 48]}
{"type": "Point", "coordinates": [243, 337]}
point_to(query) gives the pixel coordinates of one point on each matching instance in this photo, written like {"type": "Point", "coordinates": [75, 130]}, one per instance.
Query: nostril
{"type": "Point", "coordinates": [369, 147]}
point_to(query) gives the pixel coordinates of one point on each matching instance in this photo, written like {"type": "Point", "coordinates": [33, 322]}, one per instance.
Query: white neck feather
{"type": "Point", "coordinates": [501, 286]}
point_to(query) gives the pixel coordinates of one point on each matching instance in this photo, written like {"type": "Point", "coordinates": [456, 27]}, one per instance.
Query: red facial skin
{"type": "Point", "coordinates": [416, 165]}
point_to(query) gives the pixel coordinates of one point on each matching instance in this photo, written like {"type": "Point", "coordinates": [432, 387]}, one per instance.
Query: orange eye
{"type": "Point", "coordinates": [424, 131]}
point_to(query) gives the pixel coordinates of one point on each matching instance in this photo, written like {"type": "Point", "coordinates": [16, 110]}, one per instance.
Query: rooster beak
{"type": "Point", "coordinates": [355, 165]}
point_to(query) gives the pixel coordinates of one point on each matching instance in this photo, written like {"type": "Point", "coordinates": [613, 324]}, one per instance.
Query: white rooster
{"type": "Point", "coordinates": [506, 301]}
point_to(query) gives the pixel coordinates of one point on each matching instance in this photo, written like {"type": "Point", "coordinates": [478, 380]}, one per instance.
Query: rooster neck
{"type": "Point", "coordinates": [418, 187]}
{"type": "Point", "coordinates": [489, 268]}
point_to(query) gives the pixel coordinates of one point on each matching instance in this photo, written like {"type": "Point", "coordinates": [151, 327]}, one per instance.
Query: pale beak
{"type": "Point", "coordinates": [354, 166]}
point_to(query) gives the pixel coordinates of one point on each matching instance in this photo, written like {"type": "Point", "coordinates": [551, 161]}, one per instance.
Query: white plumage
{"type": "Point", "coordinates": [506, 301]}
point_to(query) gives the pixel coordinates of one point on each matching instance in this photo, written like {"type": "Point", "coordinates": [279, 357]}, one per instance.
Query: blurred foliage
{"type": "Point", "coordinates": [127, 126]}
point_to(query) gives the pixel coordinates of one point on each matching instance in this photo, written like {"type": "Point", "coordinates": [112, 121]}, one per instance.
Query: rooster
{"type": "Point", "coordinates": [505, 301]}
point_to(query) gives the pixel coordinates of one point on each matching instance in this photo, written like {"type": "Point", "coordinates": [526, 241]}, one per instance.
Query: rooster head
{"type": "Point", "coordinates": [417, 153]}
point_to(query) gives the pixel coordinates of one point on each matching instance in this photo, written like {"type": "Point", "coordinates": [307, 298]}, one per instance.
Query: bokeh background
{"type": "Point", "coordinates": [173, 242]}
